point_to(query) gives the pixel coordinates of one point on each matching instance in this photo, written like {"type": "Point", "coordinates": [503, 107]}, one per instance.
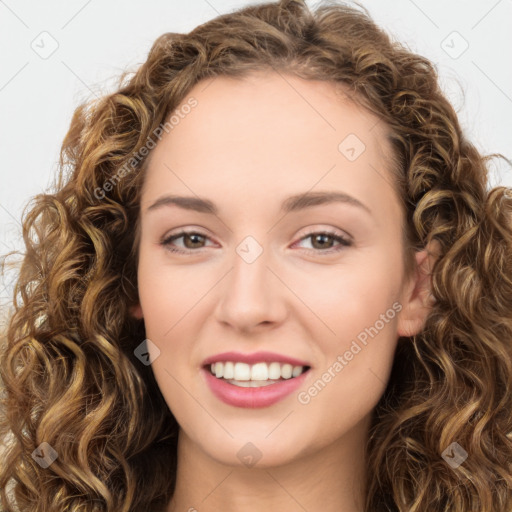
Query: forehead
{"type": "Point", "coordinates": [269, 132]}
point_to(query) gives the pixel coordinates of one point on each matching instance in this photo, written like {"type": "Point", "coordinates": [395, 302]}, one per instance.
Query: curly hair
{"type": "Point", "coordinates": [70, 377]}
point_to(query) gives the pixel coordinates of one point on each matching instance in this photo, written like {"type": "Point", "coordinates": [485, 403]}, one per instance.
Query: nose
{"type": "Point", "coordinates": [252, 295]}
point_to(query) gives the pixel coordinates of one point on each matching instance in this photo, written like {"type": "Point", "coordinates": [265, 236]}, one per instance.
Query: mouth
{"type": "Point", "coordinates": [256, 385]}
{"type": "Point", "coordinates": [255, 375]}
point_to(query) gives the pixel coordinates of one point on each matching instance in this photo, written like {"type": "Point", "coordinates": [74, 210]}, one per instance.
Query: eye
{"type": "Point", "coordinates": [320, 241]}
{"type": "Point", "coordinates": [196, 239]}
{"type": "Point", "coordinates": [194, 236]}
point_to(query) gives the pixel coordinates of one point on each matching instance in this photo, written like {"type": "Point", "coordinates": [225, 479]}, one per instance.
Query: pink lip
{"type": "Point", "coordinates": [252, 397]}
{"type": "Point", "coordinates": [255, 357]}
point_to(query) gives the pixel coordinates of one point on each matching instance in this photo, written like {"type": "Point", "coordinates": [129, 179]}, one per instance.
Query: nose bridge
{"type": "Point", "coordinates": [250, 272]}
{"type": "Point", "coordinates": [251, 292]}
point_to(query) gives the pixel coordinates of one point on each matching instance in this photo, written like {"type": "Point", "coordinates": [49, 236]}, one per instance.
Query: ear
{"type": "Point", "coordinates": [417, 296]}
{"type": "Point", "coordinates": [136, 312]}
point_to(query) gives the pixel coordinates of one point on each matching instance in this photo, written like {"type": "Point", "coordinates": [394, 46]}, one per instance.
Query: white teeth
{"type": "Point", "coordinates": [242, 371]}
{"type": "Point", "coordinates": [229, 370]}
{"type": "Point", "coordinates": [259, 371]}
{"type": "Point", "coordinates": [258, 374]}
{"type": "Point", "coordinates": [297, 370]}
{"type": "Point", "coordinates": [274, 371]}
{"type": "Point", "coordinates": [286, 371]}
{"type": "Point", "coordinates": [251, 383]}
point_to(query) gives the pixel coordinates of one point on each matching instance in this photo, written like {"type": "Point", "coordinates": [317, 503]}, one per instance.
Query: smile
{"type": "Point", "coordinates": [257, 379]}
{"type": "Point", "coordinates": [259, 374]}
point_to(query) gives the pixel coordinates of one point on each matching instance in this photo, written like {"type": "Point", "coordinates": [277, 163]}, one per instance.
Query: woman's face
{"type": "Point", "coordinates": [258, 275]}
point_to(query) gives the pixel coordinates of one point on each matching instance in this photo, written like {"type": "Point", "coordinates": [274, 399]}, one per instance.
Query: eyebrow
{"type": "Point", "coordinates": [291, 204]}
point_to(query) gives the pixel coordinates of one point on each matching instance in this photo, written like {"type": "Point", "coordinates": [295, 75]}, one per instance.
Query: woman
{"type": "Point", "coordinates": [179, 347]}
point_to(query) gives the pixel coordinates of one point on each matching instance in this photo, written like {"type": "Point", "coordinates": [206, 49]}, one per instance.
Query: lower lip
{"type": "Point", "coordinates": [263, 396]}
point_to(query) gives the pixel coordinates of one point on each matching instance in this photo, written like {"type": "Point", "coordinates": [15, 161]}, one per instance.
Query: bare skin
{"type": "Point", "coordinates": [247, 146]}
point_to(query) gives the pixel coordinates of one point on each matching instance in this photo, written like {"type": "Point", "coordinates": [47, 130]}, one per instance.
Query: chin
{"type": "Point", "coordinates": [251, 449]}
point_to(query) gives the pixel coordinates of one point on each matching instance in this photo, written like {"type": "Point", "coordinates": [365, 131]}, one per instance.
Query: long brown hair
{"type": "Point", "coordinates": [69, 372]}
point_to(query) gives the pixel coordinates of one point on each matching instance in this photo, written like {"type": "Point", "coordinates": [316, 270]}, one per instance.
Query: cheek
{"type": "Point", "coordinates": [359, 307]}
{"type": "Point", "coordinates": [350, 297]}
{"type": "Point", "coordinates": [167, 294]}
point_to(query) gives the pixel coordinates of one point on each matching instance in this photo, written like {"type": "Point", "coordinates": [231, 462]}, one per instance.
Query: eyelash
{"type": "Point", "coordinates": [342, 240]}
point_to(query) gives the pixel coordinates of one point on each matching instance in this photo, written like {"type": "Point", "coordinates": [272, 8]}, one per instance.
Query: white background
{"type": "Point", "coordinates": [98, 40]}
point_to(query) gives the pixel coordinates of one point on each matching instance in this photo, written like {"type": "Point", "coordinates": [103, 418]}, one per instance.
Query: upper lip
{"type": "Point", "coordinates": [253, 358]}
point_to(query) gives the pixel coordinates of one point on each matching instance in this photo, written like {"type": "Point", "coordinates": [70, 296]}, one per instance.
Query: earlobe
{"type": "Point", "coordinates": [418, 294]}
{"type": "Point", "coordinates": [136, 312]}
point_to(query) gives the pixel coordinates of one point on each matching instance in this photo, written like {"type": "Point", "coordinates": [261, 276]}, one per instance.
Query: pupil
{"type": "Point", "coordinates": [193, 236]}
{"type": "Point", "coordinates": [321, 236]}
